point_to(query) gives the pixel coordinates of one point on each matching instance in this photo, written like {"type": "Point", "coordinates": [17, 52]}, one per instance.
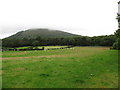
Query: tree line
{"type": "Point", "coordinates": [107, 40]}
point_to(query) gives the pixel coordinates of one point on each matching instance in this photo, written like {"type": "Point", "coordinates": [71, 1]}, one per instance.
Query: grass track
{"type": "Point", "coordinates": [80, 67]}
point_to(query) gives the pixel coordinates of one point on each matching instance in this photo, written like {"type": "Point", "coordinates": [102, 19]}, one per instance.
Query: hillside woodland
{"type": "Point", "coordinates": [45, 37]}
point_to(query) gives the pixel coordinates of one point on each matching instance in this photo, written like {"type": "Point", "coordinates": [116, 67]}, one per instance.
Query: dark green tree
{"type": "Point", "coordinates": [35, 43]}
{"type": "Point", "coordinates": [116, 45]}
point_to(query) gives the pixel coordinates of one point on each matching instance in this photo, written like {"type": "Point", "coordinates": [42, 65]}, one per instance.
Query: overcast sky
{"type": "Point", "coordinates": [83, 17]}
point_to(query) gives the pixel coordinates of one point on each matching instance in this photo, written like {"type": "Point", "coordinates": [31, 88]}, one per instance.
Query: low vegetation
{"type": "Point", "coordinates": [45, 37]}
{"type": "Point", "coordinates": [78, 67]}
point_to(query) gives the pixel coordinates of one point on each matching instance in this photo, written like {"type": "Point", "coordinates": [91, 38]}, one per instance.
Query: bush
{"type": "Point", "coordinates": [116, 45]}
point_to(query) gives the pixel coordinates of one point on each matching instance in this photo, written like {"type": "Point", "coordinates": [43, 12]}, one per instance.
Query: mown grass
{"type": "Point", "coordinates": [46, 47]}
{"type": "Point", "coordinates": [80, 67]}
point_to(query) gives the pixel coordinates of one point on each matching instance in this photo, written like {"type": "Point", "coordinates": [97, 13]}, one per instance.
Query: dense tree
{"type": "Point", "coordinates": [74, 41]}
{"type": "Point", "coordinates": [116, 45]}
{"type": "Point", "coordinates": [35, 43]}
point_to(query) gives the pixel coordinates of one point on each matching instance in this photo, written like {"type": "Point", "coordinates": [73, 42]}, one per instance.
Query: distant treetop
{"type": "Point", "coordinates": [119, 2]}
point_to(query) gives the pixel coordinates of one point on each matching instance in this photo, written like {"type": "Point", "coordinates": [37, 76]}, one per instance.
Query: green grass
{"type": "Point", "coordinates": [46, 47]}
{"type": "Point", "coordinates": [23, 47]}
{"type": "Point", "coordinates": [80, 67]}
{"type": "Point", "coordinates": [49, 47]}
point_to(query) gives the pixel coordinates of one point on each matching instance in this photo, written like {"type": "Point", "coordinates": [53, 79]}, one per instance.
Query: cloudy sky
{"type": "Point", "coordinates": [83, 17]}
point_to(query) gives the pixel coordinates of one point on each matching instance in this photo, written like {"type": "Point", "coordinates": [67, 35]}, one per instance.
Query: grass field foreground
{"type": "Point", "coordinates": [78, 67]}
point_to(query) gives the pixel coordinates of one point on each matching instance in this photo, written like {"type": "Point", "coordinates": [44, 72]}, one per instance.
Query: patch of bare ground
{"type": "Point", "coordinates": [16, 53]}
{"type": "Point", "coordinates": [14, 58]}
{"type": "Point", "coordinates": [50, 56]}
{"type": "Point", "coordinates": [0, 72]}
{"type": "Point", "coordinates": [104, 48]}
{"type": "Point", "coordinates": [19, 69]}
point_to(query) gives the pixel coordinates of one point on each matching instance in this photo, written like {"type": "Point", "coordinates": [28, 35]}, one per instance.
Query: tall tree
{"type": "Point", "coordinates": [35, 43]}
{"type": "Point", "coordinates": [116, 45]}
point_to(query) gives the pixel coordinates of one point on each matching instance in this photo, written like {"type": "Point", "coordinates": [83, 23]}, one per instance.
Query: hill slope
{"type": "Point", "coordinates": [43, 33]}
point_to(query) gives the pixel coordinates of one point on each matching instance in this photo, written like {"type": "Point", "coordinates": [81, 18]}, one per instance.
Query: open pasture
{"type": "Point", "coordinates": [78, 67]}
{"type": "Point", "coordinates": [46, 47]}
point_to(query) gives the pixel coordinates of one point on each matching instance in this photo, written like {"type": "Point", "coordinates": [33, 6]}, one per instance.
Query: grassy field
{"type": "Point", "coordinates": [78, 67]}
{"type": "Point", "coordinates": [46, 47]}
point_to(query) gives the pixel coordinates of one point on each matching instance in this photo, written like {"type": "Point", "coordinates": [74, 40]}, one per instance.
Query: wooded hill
{"type": "Point", "coordinates": [45, 37]}
{"type": "Point", "coordinates": [43, 33]}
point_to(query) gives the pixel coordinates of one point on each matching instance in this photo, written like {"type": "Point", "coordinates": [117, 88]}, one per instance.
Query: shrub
{"type": "Point", "coordinates": [116, 45]}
